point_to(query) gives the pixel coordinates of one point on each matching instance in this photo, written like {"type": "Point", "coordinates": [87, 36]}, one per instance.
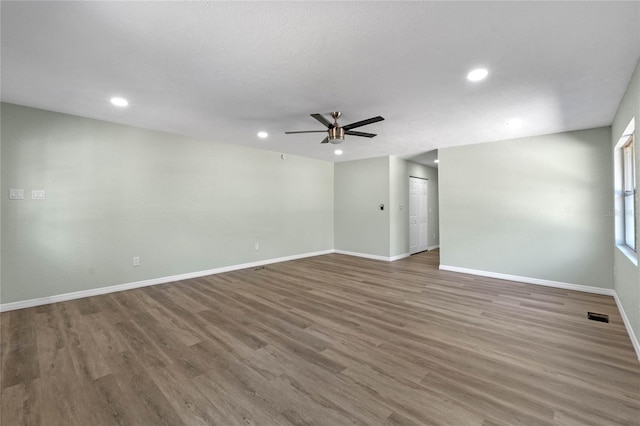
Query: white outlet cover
{"type": "Point", "coordinates": [16, 194]}
{"type": "Point", "coordinates": [38, 194]}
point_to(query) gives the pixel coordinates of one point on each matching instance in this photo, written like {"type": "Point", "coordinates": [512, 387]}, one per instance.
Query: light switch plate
{"type": "Point", "coordinates": [38, 194]}
{"type": "Point", "coordinates": [16, 194]}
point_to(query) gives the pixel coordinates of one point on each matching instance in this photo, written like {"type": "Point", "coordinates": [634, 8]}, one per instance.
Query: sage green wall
{"type": "Point", "coordinates": [398, 207]}
{"type": "Point", "coordinates": [533, 207]}
{"type": "Point", "coordinates": [626, 276]}
{"type": "Point", "coordinates": [114, 192]}
{"type": "Point", "coordinates": [2, 197]}
{"type": "Point", "coordinates": [360, 187]}
{"type": "Point", "coordinates": [433, 218]}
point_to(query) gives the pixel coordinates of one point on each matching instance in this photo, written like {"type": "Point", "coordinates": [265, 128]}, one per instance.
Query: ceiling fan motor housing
{"type": "Point", "coordinates": [336, 135]}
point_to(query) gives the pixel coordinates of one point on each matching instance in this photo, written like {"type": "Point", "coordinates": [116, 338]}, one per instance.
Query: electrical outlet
{"type": "Point", "coordinates": [38, 194]}
{"type": "Point", "coordinates": [256, 246]}
{"type": "Point", "coordinates": [16, 194]}
{"type": "Point", "coordinates": [136, 261]}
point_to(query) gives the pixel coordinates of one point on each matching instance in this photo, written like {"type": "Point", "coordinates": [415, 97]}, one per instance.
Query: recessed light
{"type": "Point", "coordinates": [477, 74]}
{"type": "Point", "coordinates": [121, 102]}
{"type": "Point", "coordinates": [338, 152]}
{"type": "Point", "coordinates": [436, 161]}
{"type": "Point", "coordinates": [262, 135]}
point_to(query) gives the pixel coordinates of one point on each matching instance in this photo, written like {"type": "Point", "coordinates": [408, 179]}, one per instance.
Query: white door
{"type": "Point", "coordinates": [417, 215]}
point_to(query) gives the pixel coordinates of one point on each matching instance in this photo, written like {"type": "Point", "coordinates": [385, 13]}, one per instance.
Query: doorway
{"type": "Point", "coordinates": [418, 208]}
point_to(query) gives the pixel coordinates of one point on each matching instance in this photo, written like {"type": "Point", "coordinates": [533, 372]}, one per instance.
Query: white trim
{"type": "Point", "coordinates": [372, 256]}
{"type": "Point", "coordinates": [629, 253]}
{"type": "Point", "coordinates": [137, 284]}
{"type": "Point", "coordinates": [399, 256]}
{"type": "Point", "coordinates": [627, 324]}
{"type": "Point", "coordinates": [527, 280]}
{"type": "Point", "coordinates": [365, 255]}
{"type": "Point", "coordinates": [557, 284]}
{"type": "Point", "coordinates": [618, 191]}
{"type": "Point", "coordinates": [437, 246]}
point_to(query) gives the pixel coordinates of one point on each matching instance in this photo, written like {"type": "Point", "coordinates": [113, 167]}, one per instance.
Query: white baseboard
{"type": "Point", "coordinates": [372, 256]}
{"type": "Point", "coordinates": [627, 324]}
{"type": "Point", "coordinates": [154, 281]}
{"type": "Point", "coordinates": [437, 246]}
{"type": "Point", "coordinates": [557, 284]}
{"type": "Point", "coordinates": [399, 256]}
{"type": "Point", "coordinates": [528, 280]}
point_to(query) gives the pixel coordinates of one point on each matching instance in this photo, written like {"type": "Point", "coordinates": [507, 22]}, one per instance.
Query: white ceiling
{"type": "Point", "coordinates": [226, 70]}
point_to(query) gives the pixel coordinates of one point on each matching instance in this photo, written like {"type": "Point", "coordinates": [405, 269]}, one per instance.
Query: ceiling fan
{"type": "Point", "coordinates": [336, 133]}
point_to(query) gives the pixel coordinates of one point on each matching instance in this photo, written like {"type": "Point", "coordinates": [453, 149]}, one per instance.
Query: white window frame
{"type": "Point", "coordinates": [629, 193]}
{"type": "Point", "coordinates": [625, 169]}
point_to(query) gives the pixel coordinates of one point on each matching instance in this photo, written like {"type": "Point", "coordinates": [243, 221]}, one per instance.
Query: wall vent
{"type": "Point", "coordinates": [594, 316]}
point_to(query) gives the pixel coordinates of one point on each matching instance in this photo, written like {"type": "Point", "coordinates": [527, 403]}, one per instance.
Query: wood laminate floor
{"type": "Point", "coordinates": [330, 340]}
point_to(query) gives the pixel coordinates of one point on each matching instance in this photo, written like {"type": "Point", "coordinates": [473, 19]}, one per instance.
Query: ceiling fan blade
{"type": "Point", "coordinates": [362, 123]}
{"type": "Point", "coordinates": [363, 134]}
{"type": "Point", "coordinates": [306, 131]}
{"type": "Point", "coordinates": [325, 140]}
{"type": "Point", "coordinates": [323, 120]}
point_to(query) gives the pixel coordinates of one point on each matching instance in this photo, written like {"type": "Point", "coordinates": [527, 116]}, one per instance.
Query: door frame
{"type": "Point", "coordinates": [426, 214]}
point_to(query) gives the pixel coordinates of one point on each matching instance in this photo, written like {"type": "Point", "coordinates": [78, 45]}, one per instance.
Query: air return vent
{"type": "Point", "coordinates": [594, 316]}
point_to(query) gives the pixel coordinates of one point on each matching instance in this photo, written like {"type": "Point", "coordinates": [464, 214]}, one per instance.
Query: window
{"type": "Point", "coordinates": [629, 192]}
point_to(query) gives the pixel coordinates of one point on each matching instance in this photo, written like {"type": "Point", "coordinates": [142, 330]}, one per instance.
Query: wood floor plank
{"type": "Point", "coordinates": [22, 404]}
{"type": "Point", "coordinates": [20, 353]}
{"type": "Point", "coordinates": [64, 402]}
{"type": "Point", "coordinates": [120, 409]}
{"type": "Point", "coordinates": [186, 400]}
{"type": "Point", "coordinates": [139, 389]}
{"type": "Point", "coordinates": [79, 339]}
{"type": "Point", "coordinates": [4, 330]}
{"type": "Point", "coordinates": [329, 340]}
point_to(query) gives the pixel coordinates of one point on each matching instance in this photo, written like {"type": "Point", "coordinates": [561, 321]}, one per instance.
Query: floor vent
{"type": "Point", "coordinates": [594, 316]}
{"type": "Point", "coordinates": [259, 268]}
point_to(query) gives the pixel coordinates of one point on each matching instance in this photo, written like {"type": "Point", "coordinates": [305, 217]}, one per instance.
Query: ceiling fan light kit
{"type": "Point", "coordinates": [335, 133]}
